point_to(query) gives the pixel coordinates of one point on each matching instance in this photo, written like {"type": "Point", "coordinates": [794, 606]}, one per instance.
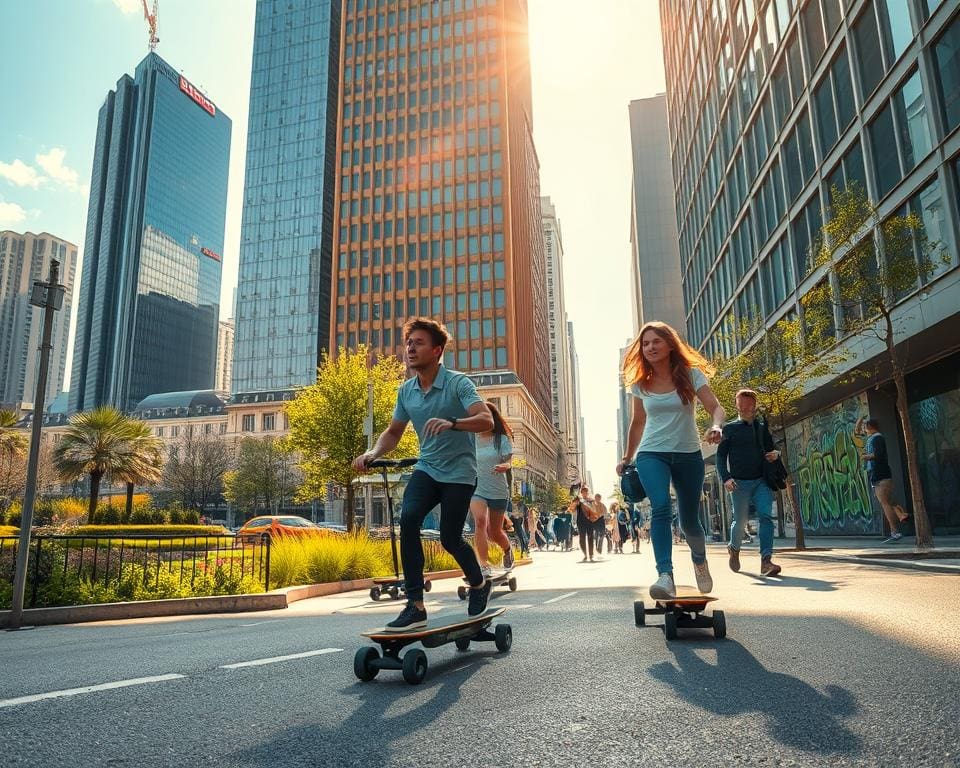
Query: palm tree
{"type": "Point", "coordinates": [106, 442]}
{"type": "Point", "coordinates": [144, 460]}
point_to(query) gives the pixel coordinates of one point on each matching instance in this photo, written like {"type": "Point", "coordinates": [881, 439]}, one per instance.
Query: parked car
{"type": "Point", "coordinates": [274, 526]}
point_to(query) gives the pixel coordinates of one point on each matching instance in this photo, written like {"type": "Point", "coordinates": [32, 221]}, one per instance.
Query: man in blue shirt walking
{"type": "Point", "coordinates": [743, 448]}
{"type": "Point", "coordinates": [446, 411]}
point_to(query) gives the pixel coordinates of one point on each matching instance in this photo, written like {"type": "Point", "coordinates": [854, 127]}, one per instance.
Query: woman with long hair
{"type": "Point", "coordinates": [665, 376]}
{"type": "Point", "coordinates": [489, 502]}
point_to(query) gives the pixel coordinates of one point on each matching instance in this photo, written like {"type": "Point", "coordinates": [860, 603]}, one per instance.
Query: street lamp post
{"type": "Point", "coordinates": [49, 296]}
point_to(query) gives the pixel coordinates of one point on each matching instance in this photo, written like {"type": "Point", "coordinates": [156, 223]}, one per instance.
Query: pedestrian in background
{"type": "Point", "coordinates": [666, 376]}
{"type": "Point", "coordinates": [583, 507]}
{"type": "Point", "coordinates": [745, 445]}
{"type": "Point", "coordinates": [600, 524]}
{"type": "Point", "coordinates": [880, 476]}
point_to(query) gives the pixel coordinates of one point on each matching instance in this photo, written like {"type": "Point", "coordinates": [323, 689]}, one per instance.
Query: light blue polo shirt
{"type": "Point", "coordinates": [449, 457]}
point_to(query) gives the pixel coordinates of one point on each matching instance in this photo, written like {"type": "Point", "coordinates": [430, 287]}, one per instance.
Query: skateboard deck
{"type": "Point", "coordinates": [685, 596]}
{"type": "Point", "coordinates": [498, 576]}
{"type": "Point", "coordinates": [434, 626]}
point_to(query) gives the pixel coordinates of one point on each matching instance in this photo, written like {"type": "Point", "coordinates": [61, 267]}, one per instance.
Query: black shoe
{"type": "Point", "coordinates": [478, 598]}
{"type": "Point", "coordinates": [410, 617]}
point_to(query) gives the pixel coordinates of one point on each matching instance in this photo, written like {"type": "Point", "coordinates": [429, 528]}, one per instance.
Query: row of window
{"type": "Point", "coordinates": [423, 305]}
{"type": "Point", "coordinates": [428, 278]}
{"type": "Point", "coordinates": [444, 95]}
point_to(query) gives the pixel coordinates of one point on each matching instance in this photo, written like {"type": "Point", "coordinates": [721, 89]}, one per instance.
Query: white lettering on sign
{"type": "Point", "coordinates": [212, 254]}
{"type": "Point", "coordinates": [198, 97]}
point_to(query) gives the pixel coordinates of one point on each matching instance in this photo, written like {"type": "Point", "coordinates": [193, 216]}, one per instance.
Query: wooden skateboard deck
{"type": "Point", "coordinates": [434, 626]}
{"type": "Point", "coordinates": [499, 576]}
{"type": "Point", "coordinates": [685, 596]}
{"type": "Point", "coordinates": [388, 579]}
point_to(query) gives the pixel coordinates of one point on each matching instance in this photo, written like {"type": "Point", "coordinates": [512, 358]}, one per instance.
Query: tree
{"type": "Point", "coordinates": [554, 496]}
{"type": "Point", "coordinates": [780, 363]}
{"type": "Point", "coordinates": [106, 442]}
{"type": "Point", "coordinates": [264, 475]}
{"type": "Point", "coordinates": [13, 449]}
{"type": "Point", "coordinates": [143, 463]}
{"type": "Point", "coordinates": [327, 421]}
{"type": "Point", "coordinates": [875, 263]}
{"type": "Point", "coordinates": [195, 467]}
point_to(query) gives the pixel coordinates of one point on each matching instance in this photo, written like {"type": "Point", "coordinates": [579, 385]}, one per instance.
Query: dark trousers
{"type": "Point", "coordinates": [587, 535]}
{"type": "Point", "coordinates": [520, 533]}
{"type": "Point", "coordinates": [600, 531]}
{"type": "Point", "coordinates": [423, 493]}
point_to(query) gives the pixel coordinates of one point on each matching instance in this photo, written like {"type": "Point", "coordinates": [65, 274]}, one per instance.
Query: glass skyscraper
{"type": "Point", "coordinates": [150, 286]}
{"type": "Point", "coordinates": [771, 104]}
{"type": "Point", "coordinates": [283, 293]}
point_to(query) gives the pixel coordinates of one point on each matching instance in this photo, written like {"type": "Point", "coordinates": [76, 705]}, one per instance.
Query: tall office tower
{"type": "Point", "coordinates": [150, 287]}
{"type": "Point", "coordinates": [283, 294]}
{"type": "Point", "coordinates": [770, 106]}
{"type": "Point", "coordinates": [25, 258]}
{"type": "Point", "coordinates": [560, 379]}
{"type": "Point", "coordinates": [655, 284]}
{"type": "Point", "coordinates": [438, 188]}
{"type": "Point", "coordinates": [225, 338]}
{"type": "Point", "coordinates": [575, 447]}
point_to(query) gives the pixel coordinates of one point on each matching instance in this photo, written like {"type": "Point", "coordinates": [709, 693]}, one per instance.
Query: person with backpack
{"type": "Point", "coordinates": [745, 445]}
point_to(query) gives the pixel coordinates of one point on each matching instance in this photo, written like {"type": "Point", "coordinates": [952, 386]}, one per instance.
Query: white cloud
{"type": "Point", "coordinates": [128, 6]}
{"type": "Point", "coordinates": [21, 174]}
{"type": "Point", "coordinates": [52, 163]}
{"type": "Point", "coordinates": [11, 214]}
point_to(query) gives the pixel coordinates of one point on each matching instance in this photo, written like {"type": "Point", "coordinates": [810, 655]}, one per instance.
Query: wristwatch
{"type": "Point", "coordinates": [453, 422]}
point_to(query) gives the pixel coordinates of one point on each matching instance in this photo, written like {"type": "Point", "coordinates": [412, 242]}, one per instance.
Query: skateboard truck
{"type": "Point", "coordinates": [683, 612]}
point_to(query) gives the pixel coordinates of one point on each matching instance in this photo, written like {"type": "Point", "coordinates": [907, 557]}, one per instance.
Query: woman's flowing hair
{"type": "Point", "coordinates": [500, 427]}
{"type": "Point", "coordinates": [683, 357]}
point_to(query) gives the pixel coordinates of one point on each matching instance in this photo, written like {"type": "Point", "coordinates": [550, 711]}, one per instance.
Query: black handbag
{"type": "Point", "coordinates": [630, 485]}
{"type": "Point", "coordinates": [774, 472]}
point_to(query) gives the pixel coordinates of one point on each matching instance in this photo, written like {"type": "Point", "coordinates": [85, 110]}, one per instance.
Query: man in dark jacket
{"type": "Point", "coordinates": [745, 445]}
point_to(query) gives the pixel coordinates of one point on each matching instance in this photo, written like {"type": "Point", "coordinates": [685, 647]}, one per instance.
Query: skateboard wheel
{"type": "Point", "coordinates": [719, 625]}
{"type": "Point", "coordinates": [363, 666]}
{"type": "Point", "coordinates": [394, 592]}
{"type": "Point", "coordinates": [503, 637]}
{"type": "Point", "coordinates": [427, 585]}
{"type": "Point", "coordinates": [512, 584]}
{"type": "Point", "coordinates": [462, 643]}
{"type": "Point", "coordinates": [639, 614]}
{"type": "Point", "coordinates": [462, 593]}
{"type": "Point", "coordinates": [414, 666]}
{"type": "Point", "coordinates": [375, 593]}
{"type": "Point", "coordinates": [670, 626]}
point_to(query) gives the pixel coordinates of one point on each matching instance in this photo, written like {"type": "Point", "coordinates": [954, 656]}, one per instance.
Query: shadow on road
{"type": "Point", "coordinates": [366, 735]}
{"type": "Point", "coordinates": [811, 585]}
{"type": "Point", "coordinates": [794, 713]}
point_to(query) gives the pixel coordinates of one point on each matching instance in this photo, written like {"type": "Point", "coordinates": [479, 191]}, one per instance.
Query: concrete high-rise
{"type": "Point", "coordinates": [768, 112]}
{"type": "Point", "coordinates": [150, 286]}
{"type": "Point", "coordinates": [283, 293]}
{"type": "Point", "coordinates": [225, 338]}
{"type": "Point", "coordinates": [25, 258]}
{"type": "Point", "coordinates": [655, 284]}
{"type": "Point", "coordinates": [438, 197]}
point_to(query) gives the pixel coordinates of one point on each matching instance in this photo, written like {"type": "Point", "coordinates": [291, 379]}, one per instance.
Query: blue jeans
{"type": "Point", "coordinates": [656, 470]}
{"type": "Point", "coordinates": [758, 493]}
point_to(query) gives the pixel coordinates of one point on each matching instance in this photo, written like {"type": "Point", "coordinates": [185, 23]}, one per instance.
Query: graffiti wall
{"type": "Point", "coordinates": [830, 484]}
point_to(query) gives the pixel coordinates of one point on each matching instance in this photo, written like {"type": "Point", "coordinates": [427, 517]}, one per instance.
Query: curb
{"type": "Point", "coordinates": [189, 606]}
{"type": "Point", "coordinates": [928, 564]}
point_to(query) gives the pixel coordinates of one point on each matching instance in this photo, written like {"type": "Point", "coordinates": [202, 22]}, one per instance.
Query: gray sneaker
{"type": "Point", "coordinates": [508, 560]}
{"type": "Point", "coordinates": [893, 538]}
{"type": "Point", "coordinates": [663, 588]}
{"type": "Point", "coordinates": [487, 571]}
{"type": "Point", "coordinates": [704, 579]}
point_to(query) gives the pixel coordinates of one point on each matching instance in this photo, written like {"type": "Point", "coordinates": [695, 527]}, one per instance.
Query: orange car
{"type": "Point", "coordinates": [273, 526]}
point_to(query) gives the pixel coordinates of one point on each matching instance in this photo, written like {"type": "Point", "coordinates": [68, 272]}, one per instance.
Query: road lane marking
{"type": "Point", "coordinates": [87, 689]}
{"type": "Point", "coordinates": [517, 607]}
{"type": "Point", "coordinates": [558, 599]}
{"type": "Point", "coordinates": [274, 659]}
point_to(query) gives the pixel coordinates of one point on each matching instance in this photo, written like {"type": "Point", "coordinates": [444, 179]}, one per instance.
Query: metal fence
{"type": "Point", "coordinates": [105, 559]}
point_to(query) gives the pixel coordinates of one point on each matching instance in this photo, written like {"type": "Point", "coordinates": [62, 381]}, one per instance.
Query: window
{"type": "Point", "coordinates": [947, 65]}
{"type": "Point", "coordinates": [896, 26]}
{"type": "Point", "coordinates": [883, 141]}
{"type": "Point", "coordinates": [813, 30]}
{"type": "Point", "coordinates": [911, 113]}
{"type": "Point", "coordinates": [867, 52]}
{"type": "Point", "coordinates": [247, 423]}
{"type": "Point", "coordinates": [928, 204]}
{"type": "Point", "coordinates": [269, 422]}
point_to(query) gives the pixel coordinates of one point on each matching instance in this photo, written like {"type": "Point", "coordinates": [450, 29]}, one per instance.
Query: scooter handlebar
{"type": "Point", "coordinates": [391, 463]}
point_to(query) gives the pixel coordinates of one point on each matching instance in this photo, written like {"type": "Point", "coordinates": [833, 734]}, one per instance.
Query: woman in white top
{"type": "Point", "coordinates": [665, 376]}
{"type": "Point", "coordinates": [489, 502]}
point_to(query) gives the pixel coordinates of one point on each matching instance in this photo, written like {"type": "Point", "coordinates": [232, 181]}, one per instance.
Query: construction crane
{"type": "Point", "coordinates": [151, 19]}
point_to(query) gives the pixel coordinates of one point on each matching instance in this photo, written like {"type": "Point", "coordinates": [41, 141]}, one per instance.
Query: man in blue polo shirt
{"type": "Point", "coordinates": [744, 446]}
{"type": "Point", "coordinates": [445, 410]}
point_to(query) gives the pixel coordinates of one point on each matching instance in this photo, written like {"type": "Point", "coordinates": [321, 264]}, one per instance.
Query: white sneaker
{"type": "Point", "coordinates": [663, 588]}
{"type": "Point", "coordinates": [487, 571]}
{"type": "Point", "coordinates": [704, 579]}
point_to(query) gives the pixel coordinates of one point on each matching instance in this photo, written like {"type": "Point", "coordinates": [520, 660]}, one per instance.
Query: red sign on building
{"type": "Point", "coordinates": [198, 97]}
{"type": "Point", "coordinates": [212, 254]}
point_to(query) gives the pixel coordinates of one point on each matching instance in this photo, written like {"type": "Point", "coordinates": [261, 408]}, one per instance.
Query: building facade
{"type": "Point", "coordinates": [575, 443]}
{"type": "Point", "coordinates": [770, 106]}
{"type": "Point", "coordinates": [438, 186]}
{"type": "Point", "coordinates": [150, 286]}
{"type": "Point", "coordinates": [655, 285]}
{"type": "Point", "coordinates": [561, 380]}
{"type": "Point", "coordinates": [283, 294]}
{"type": "Point", "coordinates": [25, 258]}
{"type": "Point", "coordinates": [225, 337]}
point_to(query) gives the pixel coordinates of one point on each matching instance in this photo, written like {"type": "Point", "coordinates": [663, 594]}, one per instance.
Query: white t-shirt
{"type": "Point", "coordinates": [671, 425]}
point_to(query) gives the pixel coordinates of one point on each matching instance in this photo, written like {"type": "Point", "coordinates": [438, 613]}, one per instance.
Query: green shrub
{"type": "Point", "coordinates": [9, 530]}
{"type": "Point", "coordinates": [148, 530]}
{"type": "Point", "coordinates": [14, 511]}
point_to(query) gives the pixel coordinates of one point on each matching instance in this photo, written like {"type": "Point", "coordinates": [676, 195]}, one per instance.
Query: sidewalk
{"type": "Point", "coordinates": [870, 550]}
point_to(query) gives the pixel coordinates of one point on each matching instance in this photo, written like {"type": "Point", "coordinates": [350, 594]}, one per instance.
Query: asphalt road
{"type": "Point", "coordinates": [833, 665]}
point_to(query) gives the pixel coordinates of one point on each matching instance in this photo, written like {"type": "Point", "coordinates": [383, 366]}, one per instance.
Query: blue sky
{"type": "Point", "coordinates": [588, 61]}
